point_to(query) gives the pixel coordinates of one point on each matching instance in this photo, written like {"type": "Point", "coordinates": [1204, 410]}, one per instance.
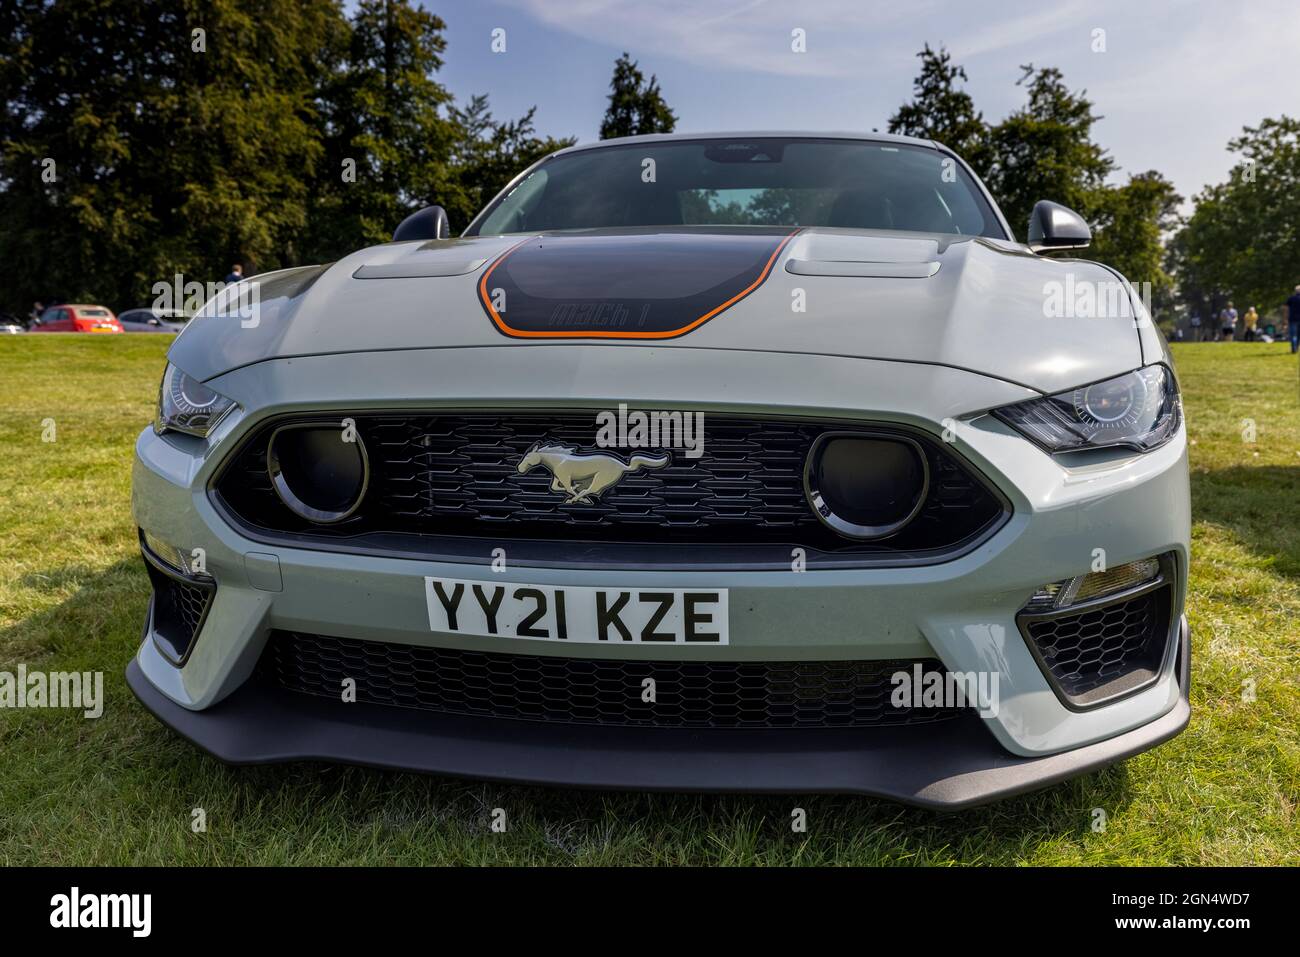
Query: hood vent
{"type": "Point", "coordinates": [428, 269]}
{"type": "Point", "coordinates": [863, 270]}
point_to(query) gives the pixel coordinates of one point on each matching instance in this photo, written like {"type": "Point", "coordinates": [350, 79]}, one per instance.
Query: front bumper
{"type": "Point", "coordinates": [962, 612]}
{"type": "Point", "coordinates": [945, 765]}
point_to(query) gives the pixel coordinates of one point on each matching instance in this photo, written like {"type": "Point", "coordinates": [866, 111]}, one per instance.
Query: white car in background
{"type": "Point", "coordinates": [152, 320]}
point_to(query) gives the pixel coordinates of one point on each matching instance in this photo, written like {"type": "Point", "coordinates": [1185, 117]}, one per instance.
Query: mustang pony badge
{"type": "Point", "coordinates": [584, 475]}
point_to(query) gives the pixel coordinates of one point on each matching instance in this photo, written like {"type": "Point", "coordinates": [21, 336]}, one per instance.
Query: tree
{"type": "Point", "coordinates": [1131, 222]}
{"type": "Point", "coordinates": [941, 111]}
{"type": "Point", "coordinates": [387, 135]}
{"type": "Point", "coordinates": [1191, 284]}
{"type": "Point", "coordinates": [402, 136]}
{"type": "Point", "coordinates": [1243, 239]}
{"type": "Point", "coordinates": [144, 138]}
{"type": "Point", "coordinates": [635, 106]}
{"type": "Point", "coordinates": [487, 154]}
{"type": "Point", "coordinates": [1044, 150]}
{"type": "Point", "coordinates": [248, 135]}
{"type": "Point", "coordinates": [140, 139]}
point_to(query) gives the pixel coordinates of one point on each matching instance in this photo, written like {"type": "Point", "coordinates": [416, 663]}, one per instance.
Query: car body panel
{"type": "Point", "coordinates": [982, 309]}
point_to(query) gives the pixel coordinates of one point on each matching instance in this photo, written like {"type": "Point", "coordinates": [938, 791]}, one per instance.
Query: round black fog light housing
{"type": "Point", "coordinates": [866, 485]}
{"type": "Point", "coordinates": [319, 470]}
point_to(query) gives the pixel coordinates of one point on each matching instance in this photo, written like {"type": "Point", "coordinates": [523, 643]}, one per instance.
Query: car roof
{"type": "Point", "coordinates": [154, 311]}
{"type": "Point", "coordinates": [871, 137]}
{"type": "Point", "coordinates": [80, 305]}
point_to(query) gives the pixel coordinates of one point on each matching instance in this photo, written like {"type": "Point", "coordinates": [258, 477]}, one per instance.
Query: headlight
{"type": "Point", "coordinates": [1140, 410]}
{"type": "Point", "coordinates": [186, 405]}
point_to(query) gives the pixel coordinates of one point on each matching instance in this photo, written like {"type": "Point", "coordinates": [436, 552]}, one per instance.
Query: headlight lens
{"type": "Point", "coordinates": [187, 405]}
{"type": "Point", "coordinates": [1140, 410]}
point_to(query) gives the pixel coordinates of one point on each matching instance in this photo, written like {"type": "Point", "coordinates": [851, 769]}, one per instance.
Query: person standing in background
{"type": "Point", "coordinates": [1293, 319]}
{"type": "Point", "coordinates": [1195, 322]}
{"type": "Point", "coordinates": [1228, 322]}
{"type": "Point", "coordinates": [236, 274]}
{"type": "Point", "coordinates": [1251, 320]}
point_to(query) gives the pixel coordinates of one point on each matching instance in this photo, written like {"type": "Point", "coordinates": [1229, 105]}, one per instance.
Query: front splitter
{"type": "Point", "coordinates": [944, 765]}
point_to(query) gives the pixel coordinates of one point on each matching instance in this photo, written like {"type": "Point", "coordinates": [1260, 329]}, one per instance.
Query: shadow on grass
{"type": "Point", "coordinates": [99, 620]}
{"type": "Point", "coordinates": [1259, 505]}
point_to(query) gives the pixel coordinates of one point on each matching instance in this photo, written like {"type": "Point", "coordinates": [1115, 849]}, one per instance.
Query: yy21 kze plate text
{"type": "Point", "coordinates": [500, 609]}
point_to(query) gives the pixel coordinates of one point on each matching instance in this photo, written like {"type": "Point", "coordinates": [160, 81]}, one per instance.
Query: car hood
{"type": "Point", "coordinates": [987, 306]}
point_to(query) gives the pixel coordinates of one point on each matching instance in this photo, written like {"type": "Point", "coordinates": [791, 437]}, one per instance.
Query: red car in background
{"type": "Point", "coordinates": [72, 317]}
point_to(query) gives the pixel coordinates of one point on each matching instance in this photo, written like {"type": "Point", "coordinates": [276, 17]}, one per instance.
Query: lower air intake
{"type": "Point", "coordinates": [1105, 650]}
{"type": "Point", "coordinates": [694, 694]}
{"type": "Point", "coordinates": [179, 609]}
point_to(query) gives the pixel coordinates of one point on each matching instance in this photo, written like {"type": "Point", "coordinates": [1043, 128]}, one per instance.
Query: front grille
{"type": "Point", "coordinates": [689, 694]}
{"type": "Point", "coordinates": [1104, 652]}
{"type": "Point", "coordinates": [455, 474]}
{"type": "Point", "coordinates": [179, 608]}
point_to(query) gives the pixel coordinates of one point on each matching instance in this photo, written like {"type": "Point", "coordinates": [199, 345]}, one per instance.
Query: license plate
{"type": "Point", "coordinates": [661, 616]}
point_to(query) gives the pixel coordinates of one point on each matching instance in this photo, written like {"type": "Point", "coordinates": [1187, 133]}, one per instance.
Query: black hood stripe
{"type": "Point", "coordinates": [644, 284]}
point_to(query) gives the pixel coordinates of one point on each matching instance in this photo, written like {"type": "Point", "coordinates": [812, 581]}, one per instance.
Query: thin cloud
{"type": "Point", "coordinates": [741, 35]}
{"type": "Point", "coordinates": [1022, 31]}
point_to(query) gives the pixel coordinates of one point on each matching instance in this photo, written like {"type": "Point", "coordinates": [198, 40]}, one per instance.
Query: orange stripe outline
{"type": "Point", "coordinates": [666, 334]}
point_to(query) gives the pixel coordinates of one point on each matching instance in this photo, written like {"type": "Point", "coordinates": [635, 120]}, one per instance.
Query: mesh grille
{"type": "Point", "coordinates": [1099, 653]}
{"type": "Point", "coordinates": [696, 694]}
{"type": "Point", "coordinates": [456, 475]}
{"type": "Point", "coordinates": [189, 603]}
{"type": "Point", "coordinates": [178, 610]}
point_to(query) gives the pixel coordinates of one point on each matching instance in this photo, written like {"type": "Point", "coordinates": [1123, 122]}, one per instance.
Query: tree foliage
{"type": "Point", "coordinates": [386, 133]}
{"type": "Point", "coordinates": [1243, 239]}
{"type": "Point", "coordinates": [1130, 225]}
{"type": "Point", "coordinates": [487, 154]}
{"type": "Point", "coordinates": [119, 166]}
{"type": "Point", "coordinates": [636, 105]}
{"type": "Point", "coordinates": [943, 112]}
{"type": "Point", "coordinates": [144, 138]}
{"type": "Point", "coordinates": [1045, 150]}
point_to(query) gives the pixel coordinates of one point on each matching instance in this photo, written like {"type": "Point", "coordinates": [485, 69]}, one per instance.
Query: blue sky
{"type": "Point", "coordinates": [1177, 80]}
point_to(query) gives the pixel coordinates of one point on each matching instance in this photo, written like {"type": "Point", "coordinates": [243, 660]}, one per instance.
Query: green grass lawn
{"type": "Point", "coordinates": [121, 789]}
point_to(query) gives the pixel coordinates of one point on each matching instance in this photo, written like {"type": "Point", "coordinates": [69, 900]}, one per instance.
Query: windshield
{"type": "Point", "coordinates": [746, 182]}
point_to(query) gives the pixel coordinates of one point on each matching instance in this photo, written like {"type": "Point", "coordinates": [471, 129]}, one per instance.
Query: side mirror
{"type": "Point", "coordinates": [428, 223]}
{"type": "Point", "coordinates": [1053, 226]}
